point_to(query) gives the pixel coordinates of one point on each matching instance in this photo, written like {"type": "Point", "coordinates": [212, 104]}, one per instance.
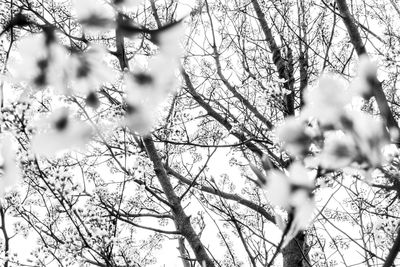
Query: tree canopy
{"type": "Point", "coordinates": [199, 133]}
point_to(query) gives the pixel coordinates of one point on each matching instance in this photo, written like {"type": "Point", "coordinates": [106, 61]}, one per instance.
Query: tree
{"type": "Point", "coordinates": [121, 130]}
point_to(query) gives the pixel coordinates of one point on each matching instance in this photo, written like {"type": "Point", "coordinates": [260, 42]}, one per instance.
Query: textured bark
{"type": "Point", "coordinates": [351, 27]}
{"type": "Point", "coordinates": [291, 255]}
{"type": "Point", "coordinates": [181, 219]}
{"type": "Point", "coordinates": [120, 46]}
{"type": "Point", "coordinates": [276, 57]}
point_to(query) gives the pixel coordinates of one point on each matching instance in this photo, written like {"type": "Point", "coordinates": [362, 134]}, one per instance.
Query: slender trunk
{"type": "Point", "coordinates": [295, 251]}
{"type": "Point", "coordinates": [291, 255]}
{"type": "Point", "coordinates": [279, 62]}
{"type": "Point", "coordinates": [181, 219]}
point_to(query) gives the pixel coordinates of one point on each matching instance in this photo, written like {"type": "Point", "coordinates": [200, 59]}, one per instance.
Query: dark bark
{"type": "Point", "coordinates": [279, 62]}
{"type": "Point", "coordinates": [291, 255]}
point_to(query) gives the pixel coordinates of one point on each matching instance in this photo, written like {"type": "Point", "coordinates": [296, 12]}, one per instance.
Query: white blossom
{"type": "Point", "coordinates": [146, 91]}
{"type": "Point", "coordinates": [326, 101]}
{"type": "Point", "coordinates": [41, 62]}
{"type": "Point", "coordinates": [169, 40]}
{"type": "Point", "coordinates": [61, 133]}
{"type": "Point", "coordinates": [278, 188]}
{"type": "Point", "coordinates": [281, 186]}
{"type": "Point", "coordinates": [371, 136]}
{"type": "Point", "coordinates": [366, 67]}
{"type": "Point", "coordinates": [367, 72]}
{"type": "Point", "coordinates": [94, 14]}
{"type": "Point", "coordinates": [304, 207]}
{"type": "Point", "coordinates": [292, 191]}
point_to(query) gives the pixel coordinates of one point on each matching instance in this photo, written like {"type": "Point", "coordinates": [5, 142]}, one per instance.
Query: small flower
{"type": "Point", "coordinates": [62, 133]}
{"type": "Point", "coordinates": [327, 100]}
{"type": "Point", "coordinates": [9, 170]}
{"type": "Point", "coordinates": [293, 132]}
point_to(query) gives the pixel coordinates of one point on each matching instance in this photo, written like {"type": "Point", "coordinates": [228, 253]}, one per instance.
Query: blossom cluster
{"type": "Point", "coordinates": [329, 135]}
{"type": "Point", "coordinates": [43, 63]}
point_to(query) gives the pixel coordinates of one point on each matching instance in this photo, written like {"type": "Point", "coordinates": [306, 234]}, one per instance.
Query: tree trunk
{"type": "Point", "coordinates": [182, 221]}
{"type": "Point", "coordinates": [295, 254]}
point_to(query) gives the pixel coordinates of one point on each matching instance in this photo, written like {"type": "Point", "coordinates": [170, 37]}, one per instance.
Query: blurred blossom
{"type": "Point", "coordinates": [299, 176]}
{"type": "Point", "coordinates": [60, 133]}
{"type": "Point", "coordinates": [293, 132]}
{"type": "Point", "coordinates": [146, 91]}
{"type": "Point", "coordinates": [88, 71]}
{"type": "Point", "coordinates": [168, 39]}
{"type": "Point", "coordinates": [292, 191]}
{"type": "Point", "coordinates": [281, 187]}
{"type": "Point", "coordinates": [94, 14]}
{"type": "Point", "coordinates": [366, 67]}
{"type": "Point", "coordinates": [339, 151]}
{"type": "Point", "coordinates": [370, 136]}
{"type": "Point", "coordinates": [390, 152]}
{"type": "Point", "coordinates": [41, 62]}
{"type": "Point", "coordinates": [327, 100]}
{"type": "Point", "coordinates": [304, 207]}
{"type": "Point", "coordinates": [9, 171]}
{"type": "Point", "coordinates": [140, 118]}
{"type": "Point", "coordinates": [278, 188]}
{"type": "Point", "coordinates": [367, 72]}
